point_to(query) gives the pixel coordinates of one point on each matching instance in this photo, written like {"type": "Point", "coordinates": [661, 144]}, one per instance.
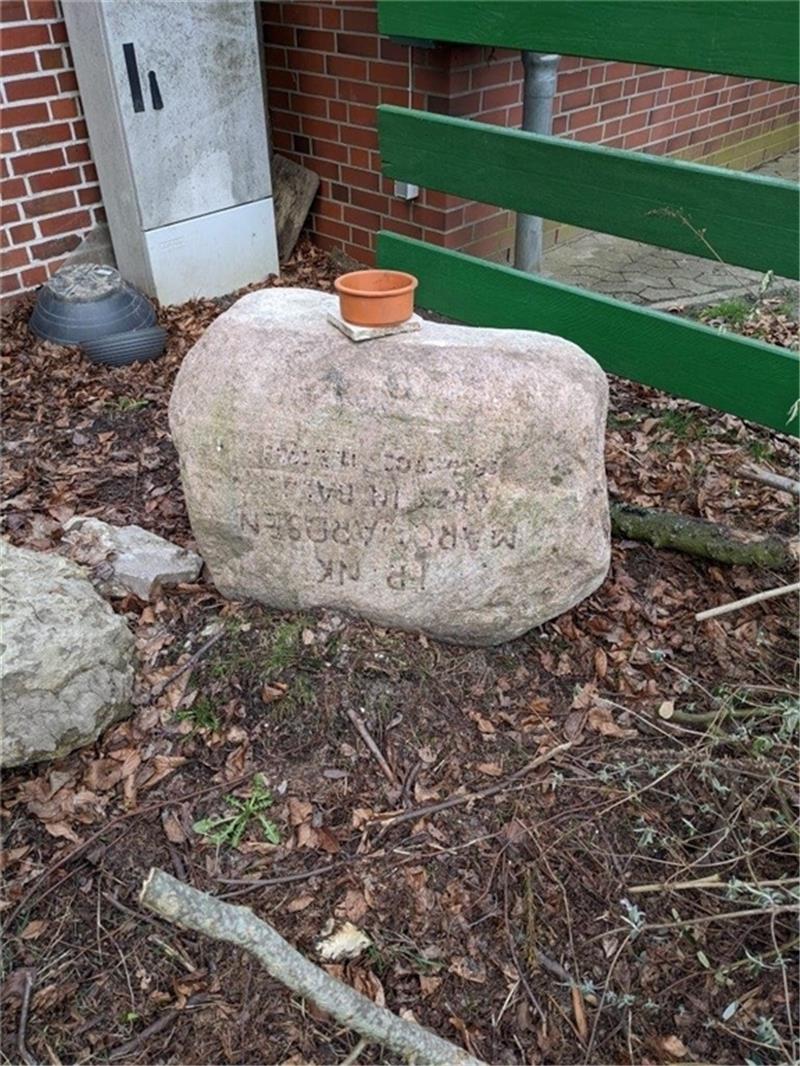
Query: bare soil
{"type": "Point", "coordinates": [548, 923]}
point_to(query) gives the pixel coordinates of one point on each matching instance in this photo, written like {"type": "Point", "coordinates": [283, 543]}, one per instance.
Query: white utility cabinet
{"type": "Point", "coordinates": [174, 100]}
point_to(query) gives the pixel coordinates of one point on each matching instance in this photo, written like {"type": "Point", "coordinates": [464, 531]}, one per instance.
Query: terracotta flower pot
{"type": "Point", "coordinates": [376, 297]}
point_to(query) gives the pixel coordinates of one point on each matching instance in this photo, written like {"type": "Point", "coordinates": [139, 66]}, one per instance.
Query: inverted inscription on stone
{"type": "Point", "coordinates": [449, 480]}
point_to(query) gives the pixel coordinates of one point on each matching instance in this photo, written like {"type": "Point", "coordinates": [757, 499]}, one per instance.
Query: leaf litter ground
{"type": "Point", "coordinates": [550, 921]}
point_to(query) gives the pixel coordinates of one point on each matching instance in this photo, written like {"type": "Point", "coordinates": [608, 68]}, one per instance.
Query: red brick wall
{"type": "Point", "coordinates": [650, 109]}
{"type": "Point", "coordinates": [327, 70]}
{"type": "Point", "coordinates": [50, 195]}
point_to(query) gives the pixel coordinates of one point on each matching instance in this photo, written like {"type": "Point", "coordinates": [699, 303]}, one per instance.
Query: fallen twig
{"type": "Point", "coordinates": [726, 608]}
{"type": "Point", "coordinates": [353, 1056]}
{"type": "Point", "coordinates": [712, 881]}
{"type": "Point", "coordinates": [284, 879]}
{"type": "Point", "coordinates": [22, 1028]}
{"type": "Point", "coordinates": [373, 748]}
{"type": "Point", "coordinates": [408, 783]}
{"type": "Point", "coordinates": [468, 797]}
{"type": "Point", "coordinates": [767, 477]}
{"type": "Point", "coordinates": [192, 909]}
{"type": "Point", "coordinates": [192, 661]}
{"type": "Point", "coordinates": [124, 1051]}
{"type": "Point", "coordinates": [704, 919]}
{"type": "Point", "coordinates": [698, 719]}
{"type": "Point", "coordinates": [601, 1004]}
{"type": "Point", "coordinates": [513, 950]}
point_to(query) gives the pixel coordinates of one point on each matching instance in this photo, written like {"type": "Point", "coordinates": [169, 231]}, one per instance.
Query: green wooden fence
{"type": "Point", "coordinates": [747, 220]}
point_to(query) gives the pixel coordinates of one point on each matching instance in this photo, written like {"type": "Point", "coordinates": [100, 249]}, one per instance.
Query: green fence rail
{"type": "Point", "coordinates": [752, 38]}
{"type": "Point", "coordinates": [747, 220]}
{"type": "Point", "coordinates": [744, 377]}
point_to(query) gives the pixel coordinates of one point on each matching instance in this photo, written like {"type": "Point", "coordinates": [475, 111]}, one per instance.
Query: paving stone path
{"type": "Point", "coordinates": [643, 274]}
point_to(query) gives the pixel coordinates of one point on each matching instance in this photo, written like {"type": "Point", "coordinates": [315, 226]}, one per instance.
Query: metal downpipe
{"type": "Point", "coordinates": [539, 90]}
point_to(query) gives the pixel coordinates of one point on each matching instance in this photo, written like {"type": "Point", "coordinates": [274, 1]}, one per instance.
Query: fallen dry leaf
{"type": "Point", "coordinates": [469, 969]}
{"type": "Point", "coordinates": [601, 720]}
{"type": "Point", "coordinates": [173, 829]}
{"type": "Point", "coordinates": [346, 942]}
{"type": "Point", "coordinates": [299, 903]}
{"type": "Point", "coordinates": [34, 929]}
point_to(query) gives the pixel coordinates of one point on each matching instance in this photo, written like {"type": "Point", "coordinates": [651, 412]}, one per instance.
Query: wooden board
{"type": "Point", "coordinates": [752, 38]}
{"type": "Point", "coordinates": [294, 188]}
{"type": "Point", "coordinates": [744, 377]}
{"type": "Point", "coordinates": [742, 219]}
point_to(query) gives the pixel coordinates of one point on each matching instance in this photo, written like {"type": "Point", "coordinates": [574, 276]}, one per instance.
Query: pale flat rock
{"type": "Point", "coordinates": [449, 480]}
{"type": "Point", "coordinates": [67, 661]}
{"type": "Point", "coordinates": [128, 558]}
{"type": "Point", "coordinates": [371, 333]}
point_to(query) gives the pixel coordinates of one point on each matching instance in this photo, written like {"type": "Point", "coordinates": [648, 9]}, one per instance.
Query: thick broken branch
{"type": "Point", "coordinates": [192, 909]}
{"type": "Point", "coordinates": [695, 536]}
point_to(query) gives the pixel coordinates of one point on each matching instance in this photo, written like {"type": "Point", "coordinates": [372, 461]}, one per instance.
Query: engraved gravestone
{"type": "Point", "coordinates": [449, 480]}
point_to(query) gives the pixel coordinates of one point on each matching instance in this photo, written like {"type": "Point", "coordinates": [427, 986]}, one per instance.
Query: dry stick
{"type": "Point", "coordinates": [775, 481]}
{"type": "Point", "coordinates": [698, 719]}
{"type": "Point", "coordinates": [513, 950]}
{"type": "Point", "coordinates": [315, 871]}
{"type": "Point", "coordinates": [770, 594]}
{"type": "Point", "coordinates": [601, 1004]}
{"type": "Point", "coordinates": [24, 1054]}
{"type": "Point", "coordinates": [713, 881]}
{"type": "Point", "coordinates": [704, 919]}
{"type": "Point", "coordinates": [193, 661]}
{"type": "Point", "coordinates": [353, 1056]}
{"type": "Point", "coordinates": [192, 909]}
{"type": "Point", "coordinates": [468, 797]}
{"type": "Point", "coordinates": [374, 750]}
{"type": "Point", "coordinates": [124, 1051]}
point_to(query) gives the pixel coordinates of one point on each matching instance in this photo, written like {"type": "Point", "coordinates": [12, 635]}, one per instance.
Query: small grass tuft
{"type": "Point", "coordinates": [125, 404]}
{"type": "Point", "coordinates": [684, 424]}
{"type": "Point", "coordinates": [734, 311]}
{"type": "Point", "coordinates": [283, 650]}
{"type": "Point", "coordinates": [202, 714]}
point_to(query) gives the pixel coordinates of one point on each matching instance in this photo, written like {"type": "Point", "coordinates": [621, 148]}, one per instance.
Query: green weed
{"type": "Point", "coordinates": [759, 450]}
{"type": "Point", "coordinates": [230, 828]}
{"type": "Point", "coordinates": [284, 649]}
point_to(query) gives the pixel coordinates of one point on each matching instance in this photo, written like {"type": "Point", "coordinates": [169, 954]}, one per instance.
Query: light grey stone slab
{"type": "Point", "coordinates": [371, 333]}
{"type": "Point", "coordinates": [129, 558]}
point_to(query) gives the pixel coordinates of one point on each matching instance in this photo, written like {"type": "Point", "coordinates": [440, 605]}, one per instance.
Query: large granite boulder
{"type": "Point", "coordinates": [449, 480]}
{"type": "Point", "coordinates": [66, 660]}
